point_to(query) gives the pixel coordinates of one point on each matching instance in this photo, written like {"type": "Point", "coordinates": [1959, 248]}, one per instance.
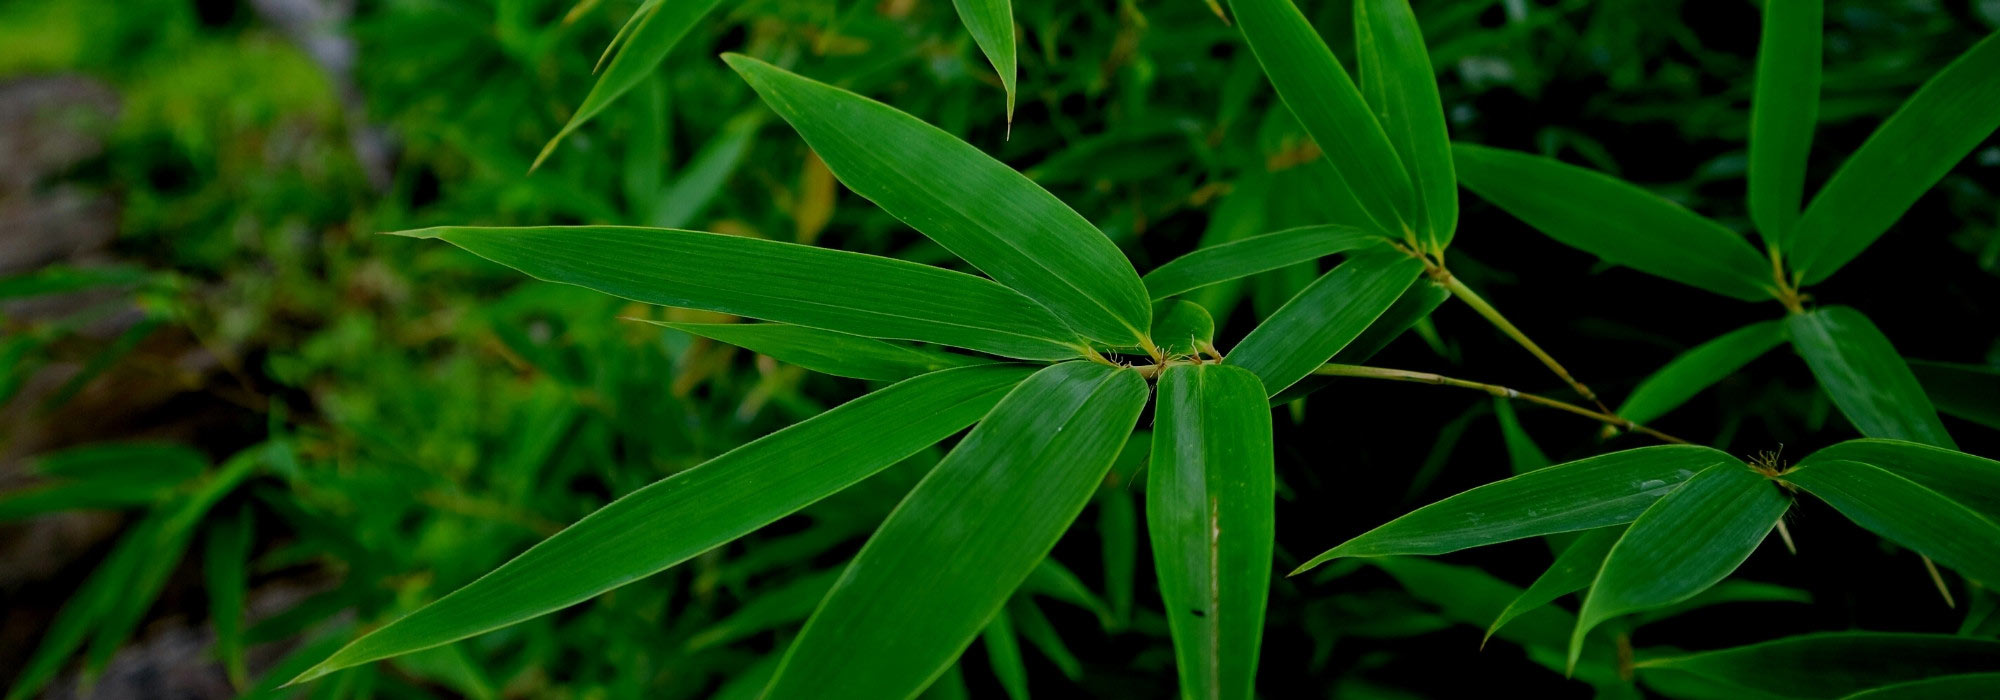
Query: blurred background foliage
{"type": "Point", "coordinates": [236, 427]}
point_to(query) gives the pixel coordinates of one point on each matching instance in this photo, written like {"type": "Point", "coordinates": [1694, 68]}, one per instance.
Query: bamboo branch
{"type": "Point", "coordinates": [1333, 370]}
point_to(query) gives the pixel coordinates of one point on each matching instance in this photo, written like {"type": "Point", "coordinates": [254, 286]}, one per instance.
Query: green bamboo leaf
{"type": "Point", "coordinates": [1319, 92]}
{"type": "Point", "coordinates": [225, 566]}
{"type": "Point", "coordinates": [1971, 392]}
{"type": "Point", "coordinates": [1572, 571]}
{"type": "Point", "coordinates": [1182, 327]}
{"type": "Point", "coordinates": [827, 352]}
{"type": "Point", "coordinates": [1029, 622]}
{"type": "Point", "coordinates": [1585, 494]}
{"type": "Point", "coordinates": [1616, 221]}
{"type": "Point", "coordinates": [1970, 685]}
{"type": "Point", "coordinates": [1324, 318]}
{"type": "Point", "coordinates": [834, 290]}
{"type": "Point", "coordinates": [103, 476]}
{"type": "Point", "coordinates": [1699, 368]}
{"type": "Point", "coordinates": [691, 512]}
{"type": "Point", "coordinates": [1118, 532]}
{"type": "Point", "coordinates": [1926, 521]}
{"type": "Point", "coordinates": [1209, 500]}
{"type": "Point", "coordinates": [1947, 118]}
{"type": "Point", "coordinates": [964, 539]}
{"type": "Point", "coordinates": [1003, 653]}
{"type": "Point", "coordinates": [1835, 664]}
{"type": "Point", "coordinates": [1973, 481]}
{"type": "Point", "coordinates": [1684, 543]}
{"type": "Point", "coordinates": [1522, 452]}
{"type": "Point", "coordinates": [991, 24]}
{"type": "Point", "coordinates": [648, 36]}
{"type": "Point", "coordinates": [1398, 82]}
{"type": "Point", "coordinates": [1864, 376]}
{"type": "Point", "coordinates": [1784, 111]}
{"type": "Point", "coordinates": [1249, 256]}
{"type": "Point", "coordinates": [698, 184]}
{"type": "Point", "coordinates": [771, 609]}
{"type": "Point", "coordinates": [977, 207]}
{"type": "Point", "coordinates": [86, 607]}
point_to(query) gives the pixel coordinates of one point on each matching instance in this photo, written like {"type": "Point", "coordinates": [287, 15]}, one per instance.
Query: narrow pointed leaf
{"type": "Point", "coordinates": [1784, 111]}
{"type": "Point", "coordinates": [1182, 327]}
{"type": "Point", "coordinates": [1209, 512]}
{"type": "Point", "coordinates": [1324, 318]}
{"type": "Point", "coordinates": [1397, 81]}
{"type": "Point", "coordinates": [1030, 623]}
{"type": "Point", "coordinates": [1616, 221]}
{"type": "Point", "coordinates": [991, 24]}
{"type": "Point", "coordinates": [1699, 368]}
{"type": "Point", "coordinates": [1948, 117]}
{"type": "Point", "coordinates": [1971, 392]}
{"type": "Point", "coordinates": [1968, 479]}
{"type": "Point", "coordinates": [648, 36]}
{"type": "Point", "coordinates": [226, 569]}
{"type": "Point", "coordinates": [1415, 305]}
{"type": "Point", "coordinates": [975, 206]}
{"type": "Point", "coordinates": [1585, 494]}
{"type": "Point", "coordinates": [1522, 452]}
{"type": "Point", "coordinates": [1864, 376]}
{"type": "Point", "coordinates": [834, 290]}
{"type": "Point", "coordinates": [691, 512]}
{"type": "Point", "coordinates": [1908, 513]}
{"type": "Point", "coordinates": [1572, 571]}
{"type": "Point", "coordinates": [1835, 664]}
{"type": "Point", "coordinates": [1003, 652]}
{"type": "Point", "coordinates": [827, 352]}
{"type": "Point", "coordinates": [947, 559]}
{"type": "Point", "coordinates": [1970, 685]}
{"type": "Point", "coordinates": [1684, 543]}
{"type": "Point", "coordinates": [1323, 97]}
{"type": "Point", "coordinates": [1249, 256]}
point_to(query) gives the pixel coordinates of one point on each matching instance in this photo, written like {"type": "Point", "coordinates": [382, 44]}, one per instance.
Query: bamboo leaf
{"type": "Point", "coordinates": [1324, 318]}
{"type": "Point", "coordinates": [225, 566]}
{"type": "Point", "coordinates": [1970, 685]}
{"type": "Point", "coordinates": [827, 352]}
{"type": "Point", "coordinates": [1182, 327]}
{"type": "Point", "coordinates": [1249, 256]}
{"type": "Point", "coordinates": [1319, 92]}
{"type": "Point", "coordinates": [991, 24]}
{"type": "Point", "coordinates": [977, 207]}
{"type": "Point", "coordinates": [1699, 368]}
{"type": "Point", "coordinates": [1398, 82]}
{"type": "Point", "coordinates": [1572, 571]}
{"type": "Point", "coordinates": [1971, 392]}
{"type": "Point", "coordinates": [1029, 622]}
{"type": "Point", "coordinates": [833, 290]}
{"type": "Point", "coordinates": [1973, 481]}
{"type": "Point", "coordinates": [947, 559]}
{"type": "Point", "coordinates": [1907, 513]}
{"type": "Point", "coordinates": [1522, 452]}
{"type": "Point", "coordinates": [1415, 305]}
{"type": "Point", "coordinates": [1684, 543]}
{"type": "Point", "coordinates": [1835, 664]}
{"type": "Point", "coordinates": [1947, 118]}
{"type": "Point", "coordinates": [1616, 221]}
{"type": "Point", "coordinates": [691, 512]}
{"type": "Point", "coordinates": [1003, 653]}
{"type": "Point", "coordinates": [1784, 111]}
{"type": "Point", "coordinates": [652, 31]}
{"type": "Point", "coordinates": [1585, 494]}
{"type": "Point", "coordinates": [1209, 512]}
{"type": "Point", "coordinates": [1864, 376]}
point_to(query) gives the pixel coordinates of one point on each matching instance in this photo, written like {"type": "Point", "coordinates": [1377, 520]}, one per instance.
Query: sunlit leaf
{"type": "Point", "coordinates": [1398, 83]}
{"type": "Point", "coordinates": [1864, 376]}
{"type": "Point", "coordinates": [1249, 256]}
{"type": "Point", "coordinates": [1699, 368]}
{"type": "Point", "coordinates": [1908, 513]}
{"type": "Point", "coordinates": [827, 352]}
{"type": "Point", "coordinates": [1325, 317]}
{"type": "Point", "coordinates": [947, 559]}
{"type": "Point", "coordinates": [1836, 664]}
{"type": "Point", "coordinates": [1784, 111]}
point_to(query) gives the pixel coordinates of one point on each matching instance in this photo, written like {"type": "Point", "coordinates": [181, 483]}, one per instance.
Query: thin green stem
{"type": "Point", "coordinates": [1492, 315]}
{"type": "Point", "coordinates": [1606, 417]}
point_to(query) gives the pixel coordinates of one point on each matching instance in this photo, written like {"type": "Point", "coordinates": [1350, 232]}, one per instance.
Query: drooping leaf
{"type": "Point", "coordinates": [1684, 543]}
{"type": "Point", "coordinates": [1249, 256]}
{"type": "Point", "coordinates": [1398, 83]}
{"type": "Point", "coordinates": [1118, 532]}
{"type": "Point", "coordinates": [1031, 624]}
{"type": "Point", "coordinates": [225, 567]}
{"type": "Point", "coordinates": [1325, 317]}
{"type": "Point", "coordinates": [947, 559]}
{"type": "Point", "coordinates": [648, 36]}
{"type": "Point", "coordinates": [1968, 479]}
{"type": "Point", "coordinates": [1864, 376]}
{"type": "Point", "coordinates": [977, 207]}
{"type": "Point", "coordinates": [1784, 111]}
{"type": "Point", "coordinates": [1319, 92]}
{"type": "Point", "coordinates": [991, 24]}
{"type": "Point", "coordinates": [1585, 494]}
{"type": "Point", "coordinates": [1182, 327]}
{"type": "Point", "coordinates": [691, 512]}
{"type": "Point", "coordinates": [1836, 664]}
{"type": "Point", "coordinates": [834, 290]}
{"type": "Point", "coordinates": [1970, 685]}
{"type": "Point", "coordinates": [1971, 392]}
{"type": "Point", "coordinates": [828, 352]}
{"type": "Point", "coordinates": [1616, 221]}
{"type": "Point", "coordinates": [1572, 571]}
{"type": "Point", "coordinates": [1209, 512]}
{"type": "Point", "coordinates": [1003, 652]}
{"type": "Point", "coordinates": [1699, 368]}
{"type": "Point", "coordinates": [1522, 452]}
{"type": "Point", "coordinates": [1948, 117]}
{"type": "Point", "coordinates": [1908, 513]}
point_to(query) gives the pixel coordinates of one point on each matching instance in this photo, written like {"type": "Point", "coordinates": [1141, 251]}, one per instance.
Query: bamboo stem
{"type": "Point", "coordinates": [1492, 315]}
{"type": "Point", "coordinates": [1334, 370]}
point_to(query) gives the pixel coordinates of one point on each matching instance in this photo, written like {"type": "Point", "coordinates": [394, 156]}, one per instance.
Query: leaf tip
{"type": "Point", "coordinates": [432, 232]}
